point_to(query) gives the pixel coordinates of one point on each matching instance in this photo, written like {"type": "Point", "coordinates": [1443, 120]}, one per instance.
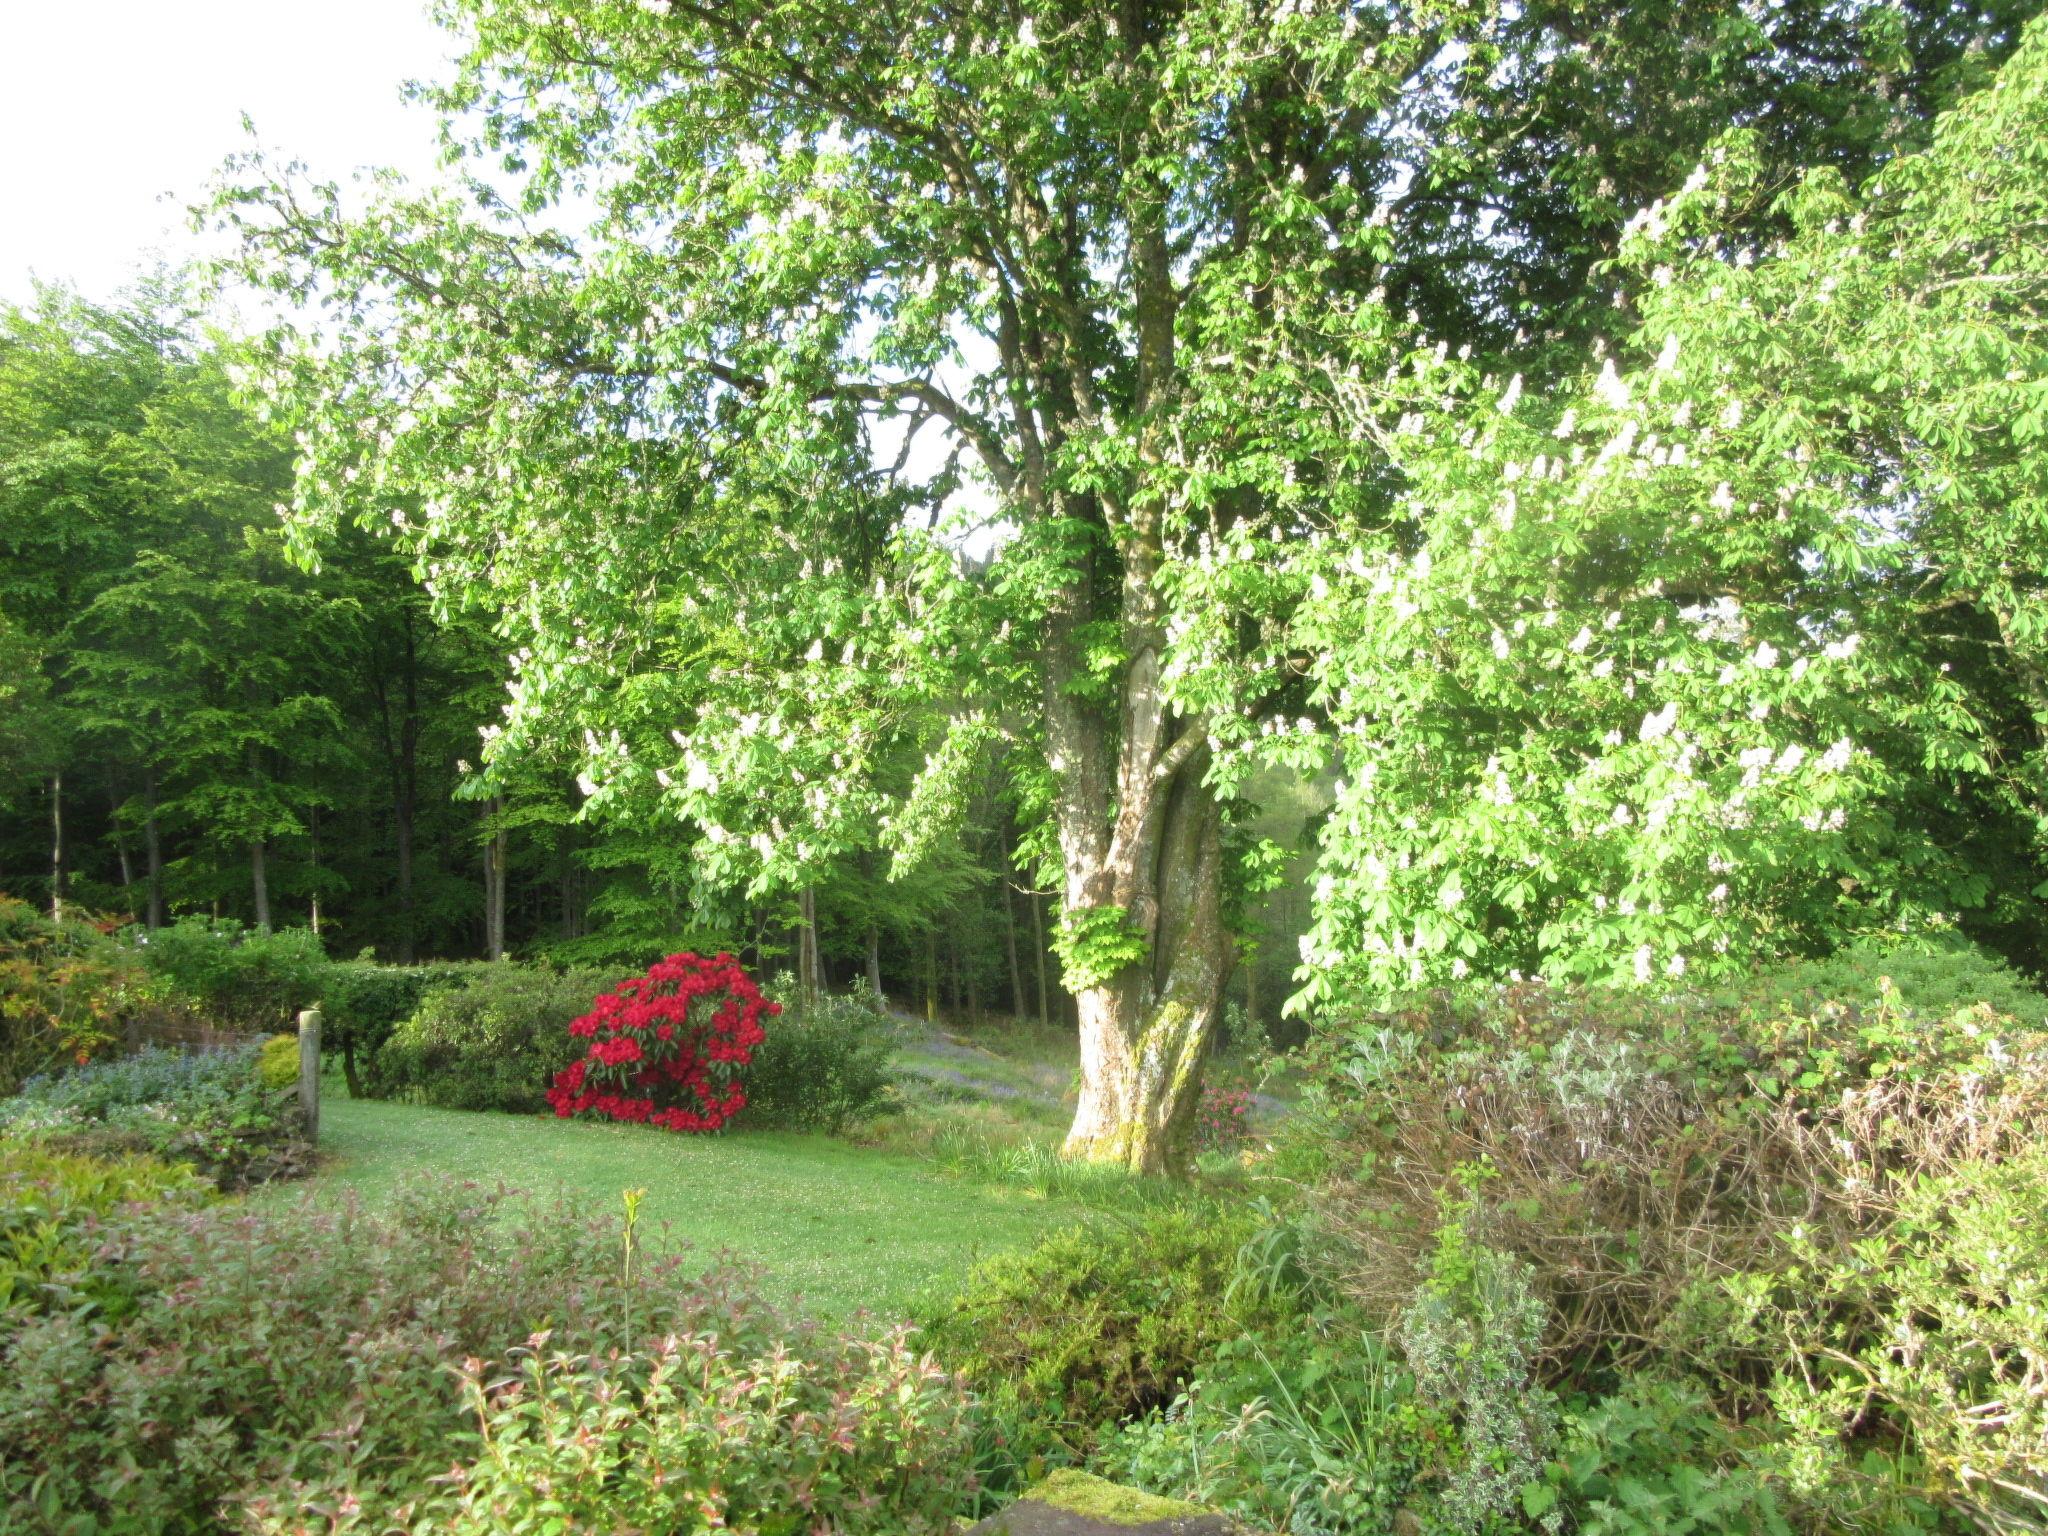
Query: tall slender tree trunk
{"type": "Point", "coordinates": [1044, 958]}
{"type": "Point", "coordinates": [152, 854]}
{"type": "Point", "coordinates": [931, 976]}
{"type": "Point", "coordinates": [496, 848]}
{"type": "Point", "coordinates": [259, 882]}
{"type": "Point", "coordinates": [1010, 943]}
{"type": "Point", "coordinates": [810, 962]}
{"type": "Point", "coordinates": [313, 836]}
{"type": "Point", "coordinates": [121, 849]}
{"type": "Point", "coordinates": [875, 966]}
{"type": "Point", "coordinates": [57, 844]}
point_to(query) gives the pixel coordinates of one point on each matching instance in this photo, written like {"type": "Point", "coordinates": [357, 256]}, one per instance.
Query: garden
{"type": "Point", "coordinates": [1258, 766]}
{"type": "Point", "coordinates": [1761, 1258]}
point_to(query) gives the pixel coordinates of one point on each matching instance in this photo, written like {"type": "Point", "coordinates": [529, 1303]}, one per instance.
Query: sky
{"type": "Point", "coordinates": [113, 116]}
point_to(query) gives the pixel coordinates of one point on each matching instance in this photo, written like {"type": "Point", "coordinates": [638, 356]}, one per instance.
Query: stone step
{"type": "Point", "coordinates": [1070, 1503]}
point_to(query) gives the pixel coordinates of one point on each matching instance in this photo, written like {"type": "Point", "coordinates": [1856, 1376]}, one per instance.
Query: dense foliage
{"type": "Point", "coordinates": [67, 991]}
{"type": "Point", "coordinates": [285, 1367]}
{"type": "Point", "coordinates": [216, 1110]}
{"type": "Point", "coordinates": [493, 1037]}
{"type": "Point", "coordinates": [668, 1049]}
{"type": "Point", "coordinates": [822, 1064]}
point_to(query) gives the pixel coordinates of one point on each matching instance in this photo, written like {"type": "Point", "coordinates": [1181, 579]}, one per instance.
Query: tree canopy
{"type": "Point", "coordinates": [1339, 387]}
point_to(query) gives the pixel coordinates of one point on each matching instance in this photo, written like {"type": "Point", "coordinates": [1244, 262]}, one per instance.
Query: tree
{"type": "Point", "coordinates": [1735, 643]}
{"type": "Point", "coordinates": [1129, 261]}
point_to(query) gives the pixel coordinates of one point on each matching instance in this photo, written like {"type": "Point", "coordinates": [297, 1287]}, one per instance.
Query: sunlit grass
{"type": "Point", "coordinates": [837, 1226]}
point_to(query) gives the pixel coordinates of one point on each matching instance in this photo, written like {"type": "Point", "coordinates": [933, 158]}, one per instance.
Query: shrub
{"type": "Point", "coordinates": [1470, 1336]}
{"type": "Point", "coordinates": [821, 1065]}
{"type": "Point", "coordinates": [52, 1205]}
{"type": "Point", "coordinates": [1313, 1429]}
{"type": "Point", "coordinates": [1222, 1118]}
{"type": "Point", "coordinates": [1933, 974]}
{"type": "Point", "coordinates": [1825, 1220]}
{"type": "Point", "coordinates": [277, 1062]}
{"type": "Point", "coordinates": [1095, 1324]}
{"type": "Point", "coordinates": [206, 1108]}
{"type": "Point", "coordinates": [251, 980]}
{"type": "Point", "coordinates": [495, 1041]}
{"type": "Point", "coordinates": [853, 1439]}
{"type": "Point", "coordinates": [1654, 1459]}
{"type": "Point", "coordinates": [365, 1002]}
{"type": "Point", "coordinates": [667, 1048]}
{"type": "Point", "coordinates": [288, 1369]}
{"type": "Point", "coordinates": [66, 989]}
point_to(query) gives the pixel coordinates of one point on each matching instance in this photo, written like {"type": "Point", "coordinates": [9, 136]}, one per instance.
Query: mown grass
{"type": "Point", "coordinates": [837, 1227]}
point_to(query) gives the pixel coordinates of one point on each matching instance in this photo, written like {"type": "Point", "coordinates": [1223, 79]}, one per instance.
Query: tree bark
{"type": "Point", "coordinates": [1140, 832]}
{"type": "Point", "coordinates": [1044, 959]}
{"type": "Point", "coordinates": [875, 966]}
{"type": "Point", "coordinates": [313, 837]}
{"type": "Point", "coordinates": [1146, 1031]}
{"type": "Point", "coordinates": [153, 854]}
{"type": "Point", "coordinates": [259, 882]}
{"type": "Point", "coordinates": [57, 844]}
{"type": "Point", "coordinates": [496, 847]}
{"type": "Point", "coordinates": [121, 849]}
{"type": "Point", "coordinates": [810, 964]}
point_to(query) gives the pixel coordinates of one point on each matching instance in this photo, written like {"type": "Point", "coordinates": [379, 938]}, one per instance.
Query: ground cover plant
{"type": "Point", "coordinates": [1790, 1247]}
{"type": "Point", "coordinates": [230, 1112]}
{"type": "Point", "coordinates": [285, 1368]}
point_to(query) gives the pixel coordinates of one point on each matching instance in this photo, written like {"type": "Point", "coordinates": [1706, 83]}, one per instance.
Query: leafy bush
{"type": "Point", "coordinates": [288, 1368]}
{"type": "Point", "coordinates": [206, 1108]}
{"type": "Point", "coordinates": [364, 1003]}
{"type": "Point", "coordinates": [66, 990]}
{"type": "Point", "coordinates": [1095, 1324]}
{"type": "Point", "coordinates": [1470, 1335]}
{"type": "Point", "coordinates": [495, 1041]}
{"type": "Point", "coordinates": [1826, 1221]}
{"type": "Point", "coordinates": [1654, 1459]}
{"type": "Point", "coordinates": [668, 1048]}
{"type": "Point", "coordinates": [1933, 974]}
{"type": "Point", "coordinates": [251, 980]}
{"type": "Point", "coordinates": [52, 1205]}
{"type": "Point", "coordinates": [821, 1065]}
{"type": "Point", "coordinates": [850, 1438]}
{"type": "Point", "coordinates": [277, 1062]}
{"type": "Point", "coordinates": [1313, 1429]}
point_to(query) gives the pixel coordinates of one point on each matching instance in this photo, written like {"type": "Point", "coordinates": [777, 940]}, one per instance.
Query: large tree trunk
{"type": "Point", "coordinates": [1146, 1030]}
{"type": "Point", "coordinates": [1140, 832]}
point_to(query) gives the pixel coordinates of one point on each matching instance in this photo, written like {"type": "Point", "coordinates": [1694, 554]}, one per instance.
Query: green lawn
{"type": "Point", "coordinates": [838, 1227]}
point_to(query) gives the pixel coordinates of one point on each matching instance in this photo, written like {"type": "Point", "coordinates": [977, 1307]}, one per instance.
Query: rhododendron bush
{"type": "Point", "coordinates": [667, 1048]}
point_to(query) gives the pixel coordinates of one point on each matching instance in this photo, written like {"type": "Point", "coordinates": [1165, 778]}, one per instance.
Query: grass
{"type": "Point", "coordinates": [838, 1227]}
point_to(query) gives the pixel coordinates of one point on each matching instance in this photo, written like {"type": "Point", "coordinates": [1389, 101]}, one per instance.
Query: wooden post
{"type": "Point", "coordinates": [309, 1071]}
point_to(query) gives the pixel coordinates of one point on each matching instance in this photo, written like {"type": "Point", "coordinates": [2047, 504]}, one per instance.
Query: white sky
{"type": "Point", "coordinates": [114, 114]}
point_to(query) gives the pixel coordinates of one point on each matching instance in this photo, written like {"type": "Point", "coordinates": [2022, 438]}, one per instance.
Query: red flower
{"type": "Point", "coordinates": [667, 1048]}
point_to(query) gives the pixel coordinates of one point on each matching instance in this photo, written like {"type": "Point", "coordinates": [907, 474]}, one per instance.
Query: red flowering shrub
{"type": "Point", "coordinates": [667, 1048]}
{"type": "Point", "coordinates": [1223, 1119]}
